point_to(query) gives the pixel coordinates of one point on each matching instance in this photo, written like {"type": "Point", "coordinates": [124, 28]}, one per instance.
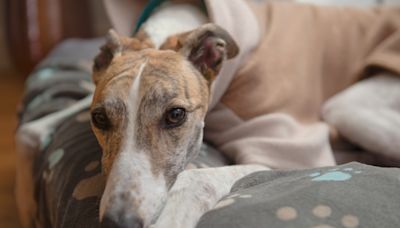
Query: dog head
{"type": "Point", "coordinates": [148, 115]}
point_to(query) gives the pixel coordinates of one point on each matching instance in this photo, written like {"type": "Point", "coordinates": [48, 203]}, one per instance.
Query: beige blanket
{"type": "Point", "coordinates": [267, 103]}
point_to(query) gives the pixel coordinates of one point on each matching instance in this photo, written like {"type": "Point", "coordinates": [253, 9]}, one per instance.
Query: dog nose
{"type": "Point", "coordinates": [128, 222]}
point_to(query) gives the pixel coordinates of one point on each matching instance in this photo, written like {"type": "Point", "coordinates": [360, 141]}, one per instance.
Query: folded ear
{"type": "Point", "coordinates": [205, 47]}
{"type": "Point", "coordinates": [108, 51]}
{"type": "Point", "coordinates": [111, 48]}
{"type": "Point", "coordinates": [115, 45]}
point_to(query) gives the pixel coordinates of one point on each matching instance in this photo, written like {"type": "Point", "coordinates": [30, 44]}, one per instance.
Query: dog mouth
{"type": "Point", "coordinates": [131, 208]}
{"type": "Point", "coordinates": [134, 196]}
{"type": "Point", "coordinates": [121, 221]}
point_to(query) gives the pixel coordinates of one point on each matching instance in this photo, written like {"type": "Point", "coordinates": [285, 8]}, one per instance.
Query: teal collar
{"type": "Point", "coordinates": [149, 9]}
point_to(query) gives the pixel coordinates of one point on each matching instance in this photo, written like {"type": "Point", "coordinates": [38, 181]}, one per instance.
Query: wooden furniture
{"type": "Point", "coordinates": [33, 27]}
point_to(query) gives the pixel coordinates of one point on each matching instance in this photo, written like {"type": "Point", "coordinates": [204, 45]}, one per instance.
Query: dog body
{"type": "Point", "coordinates": [153, 92]}
{"type": "Point", "coordinates": [157, 85]}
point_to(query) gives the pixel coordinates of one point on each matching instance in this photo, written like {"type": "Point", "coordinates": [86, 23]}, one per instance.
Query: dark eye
{"type": "Point", "coordinates": [175, 117]}
{"type": "Point", "coordinates": [100, 119]}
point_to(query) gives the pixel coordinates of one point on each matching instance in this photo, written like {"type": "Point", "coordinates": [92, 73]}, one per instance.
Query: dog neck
{"type": "Point", "coordinates": [171, 19]}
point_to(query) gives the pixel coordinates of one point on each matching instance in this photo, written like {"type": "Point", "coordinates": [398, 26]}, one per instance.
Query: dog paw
{"type": "Point", "coordinates": [334, 174]}
{"type": "Point", "coordinates": [320, 215]}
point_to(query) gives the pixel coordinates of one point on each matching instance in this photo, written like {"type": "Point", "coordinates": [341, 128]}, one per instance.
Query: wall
{"type": "Point", "coordinates": [99, 16]}
{"type": "Point", "coordinates": [4, 57]}
{"type": "Point", "coordinates": [101, 26]}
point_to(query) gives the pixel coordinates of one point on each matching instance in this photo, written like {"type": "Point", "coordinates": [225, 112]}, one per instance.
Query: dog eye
{"type": "Point", "coordinates": [175, 117]}
{"type": "Point", "coordinates": [100, 119]}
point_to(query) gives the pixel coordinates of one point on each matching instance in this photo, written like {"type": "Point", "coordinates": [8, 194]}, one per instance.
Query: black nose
{"type": "Point", "coordinates": [126, 222]}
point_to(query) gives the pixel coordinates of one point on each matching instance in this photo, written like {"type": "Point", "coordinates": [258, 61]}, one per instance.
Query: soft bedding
{"type": "Point", "coordinates": [349, 195]}
{"type": "Point", "coordinates": [68, 183]}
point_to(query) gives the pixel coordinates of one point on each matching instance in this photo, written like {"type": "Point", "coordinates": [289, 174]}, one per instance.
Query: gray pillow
{"type": "Point", "coordinates": [350, 195]}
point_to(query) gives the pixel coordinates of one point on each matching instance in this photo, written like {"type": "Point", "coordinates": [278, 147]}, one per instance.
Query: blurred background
{"type": "Point", "coordinates": [29, 29]}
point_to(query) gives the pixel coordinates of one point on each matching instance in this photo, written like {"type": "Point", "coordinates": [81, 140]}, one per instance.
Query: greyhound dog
{"type": "Point", "coordinates": [148, 110]}
{"type": "Point", "coordinates": [148, 113]}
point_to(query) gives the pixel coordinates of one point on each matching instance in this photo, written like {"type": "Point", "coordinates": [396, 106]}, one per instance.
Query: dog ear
{"type": "Point", "coordinates": [108, 51]}
{"type": "Point", "coordinates": [205, 47]}
{"type": "Point", "coordinates": [115, 45]}
{"type": "Point", "coordinates": [111, 48]}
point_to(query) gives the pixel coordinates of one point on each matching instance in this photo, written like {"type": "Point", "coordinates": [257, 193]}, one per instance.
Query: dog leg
{"type": "Point", "coordinates": [196, 191]}
{"type": "Point", "coordinates": [29, 140]}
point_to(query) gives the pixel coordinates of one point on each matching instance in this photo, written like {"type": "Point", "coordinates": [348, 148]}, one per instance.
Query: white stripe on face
{"type": "Point", "coordinates": [131, 186]}
{"type": "Point", "coordinates": [132, 106]}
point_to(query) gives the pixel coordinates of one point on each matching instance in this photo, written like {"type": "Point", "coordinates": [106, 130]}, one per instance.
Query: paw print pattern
{"type": "Point", "coordinates": [231, 199]}
{"type": "Point", "coordinates": [319, 212]}
{"type": "Point", "coordinates": [334, 175]}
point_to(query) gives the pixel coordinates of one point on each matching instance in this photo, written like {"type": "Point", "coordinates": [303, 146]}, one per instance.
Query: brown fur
{"type": "Point", "coordinates": [168, 80]}
{"type": "Point", "coordinates": [206, 47]}
{"type": "Point", "coordinates": [176, 77]}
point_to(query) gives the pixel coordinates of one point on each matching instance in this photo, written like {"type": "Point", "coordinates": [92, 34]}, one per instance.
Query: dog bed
{"type": "Point", "coordinates": [68, 183]}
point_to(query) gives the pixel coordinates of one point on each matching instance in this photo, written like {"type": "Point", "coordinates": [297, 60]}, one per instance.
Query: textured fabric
{"type": "Point", "coordinates": [350, 195]}
{"type": "Point", "coordinates": [368, 114]}
{"type": "Point", "coordinates": [307, 54]}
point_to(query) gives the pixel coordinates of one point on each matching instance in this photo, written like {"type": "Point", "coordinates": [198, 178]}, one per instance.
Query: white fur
{"type": "Point", "coordinates": [132, 105]}
{"type": "Point", "coordinates": [131, 172]}
{"type": "Point", "coordinates": [120, 169]}
{"type": "Point", "coordinates": [172, 19]}
{"type": "Point", "coordinates": [190, 197]}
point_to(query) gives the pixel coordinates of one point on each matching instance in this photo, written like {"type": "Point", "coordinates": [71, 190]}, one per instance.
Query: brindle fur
{"type": "Point", "coordinates": [177, 76]}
